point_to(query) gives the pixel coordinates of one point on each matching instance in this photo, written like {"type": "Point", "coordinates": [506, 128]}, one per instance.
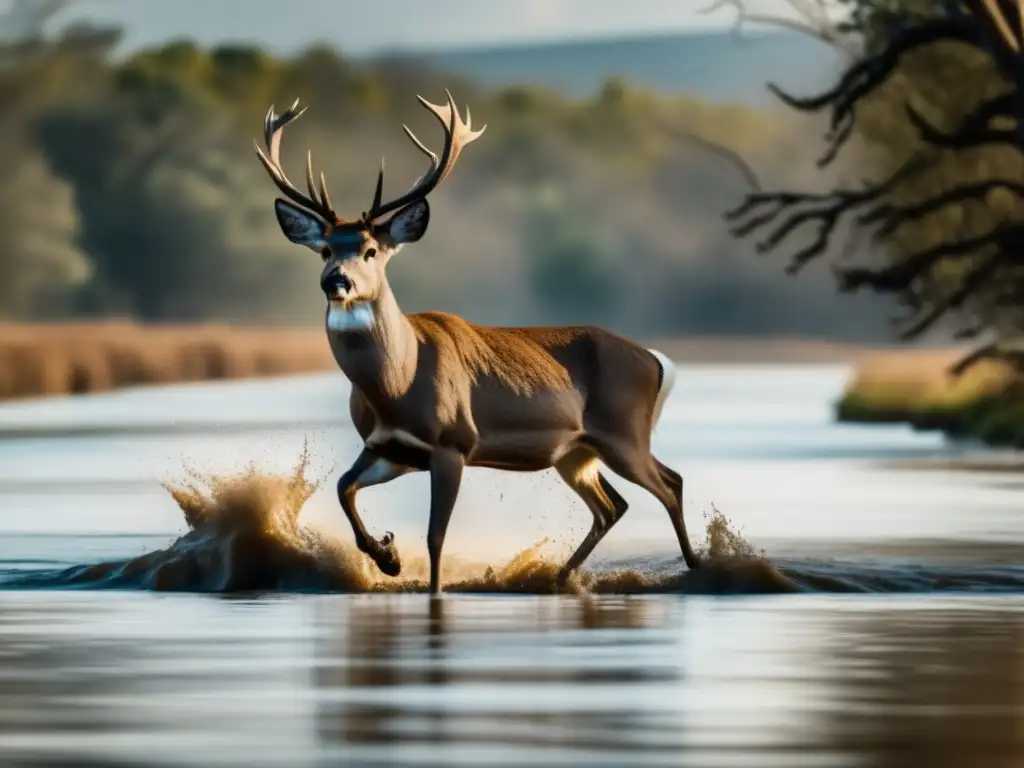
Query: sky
{"type": "Point", "coordinates": [368, 26]}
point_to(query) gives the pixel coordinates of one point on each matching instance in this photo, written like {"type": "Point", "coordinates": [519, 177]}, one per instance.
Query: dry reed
{"type": "Point", "coordinates": [39, 360]}
{"type": "Point", "coordinates": [78, 358]}
{"type": "Point", "coordinates": [920, 378]}
{"type": "Point", "coordinates": [917, 388]}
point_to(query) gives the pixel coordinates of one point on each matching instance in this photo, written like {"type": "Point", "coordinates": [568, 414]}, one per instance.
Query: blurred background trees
{"type": "Point", "coordinates": [132, 190]}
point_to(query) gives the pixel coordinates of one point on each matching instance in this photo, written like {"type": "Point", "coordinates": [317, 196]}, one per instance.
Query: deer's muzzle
{"type": "Point", "coordinates": [336, 285]}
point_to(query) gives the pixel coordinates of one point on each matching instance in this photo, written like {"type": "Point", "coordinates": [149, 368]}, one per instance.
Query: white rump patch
{"type": "Point", "coordinates": [668, 380]}
{"type": "Point", "coordinates": [356, 317]}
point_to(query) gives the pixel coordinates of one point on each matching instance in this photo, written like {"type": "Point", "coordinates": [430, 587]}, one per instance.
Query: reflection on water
{"type": "Point", "coordinates": [470, 681]}
{"type": "Point", "coordinates": [930, 687]}
{"type": "Point", "coordinates": [391, 660]}
{"type": "Point", "coordinates": [919, 669]}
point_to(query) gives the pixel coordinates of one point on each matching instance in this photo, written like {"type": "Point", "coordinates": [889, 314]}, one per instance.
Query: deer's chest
{"type": "Point", "coordinates": [407, 428]}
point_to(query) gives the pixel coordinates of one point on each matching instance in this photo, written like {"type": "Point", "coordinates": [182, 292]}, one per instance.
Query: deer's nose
{"type": "Point", "coordinates": [335, 282]}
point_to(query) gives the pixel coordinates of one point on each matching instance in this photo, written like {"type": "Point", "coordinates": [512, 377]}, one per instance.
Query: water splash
{"type": "Point", "coordinates": [726, 542]}
{"type": "Point", "coordinates": [245, 535]}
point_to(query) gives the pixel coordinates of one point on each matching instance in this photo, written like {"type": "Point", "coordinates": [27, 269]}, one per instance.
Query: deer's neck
{"type": "Point", "coordinates": [379, 360]}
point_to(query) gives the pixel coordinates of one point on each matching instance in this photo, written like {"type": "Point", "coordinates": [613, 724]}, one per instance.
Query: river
{"type": "Point", "coordinates": [879, 629]}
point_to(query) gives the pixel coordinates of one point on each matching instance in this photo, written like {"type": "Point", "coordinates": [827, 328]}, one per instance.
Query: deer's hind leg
{"type": "Point", "coordinates": [674, 481]}
{"type": "Point", "coordinates": [633, 461]}
{"type": "Point", "coordinates": [578, 468]}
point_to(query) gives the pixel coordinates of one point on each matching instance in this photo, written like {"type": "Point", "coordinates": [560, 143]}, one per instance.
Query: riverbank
{"type": "Point", "coordinates": [914, 387]}
{"type": "Point", "coordinates": [79, 358]}
{"type": "Point", "coordinates": [38, 360]}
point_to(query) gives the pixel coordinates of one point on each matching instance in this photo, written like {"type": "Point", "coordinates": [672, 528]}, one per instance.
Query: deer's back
{"type": "Point", "coordinates": [584, 363]}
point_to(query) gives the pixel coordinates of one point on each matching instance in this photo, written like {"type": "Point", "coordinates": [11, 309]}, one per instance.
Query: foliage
{"type": "Point", "coordinates": [156, 208]}
{"type": "Point", "coordinates": [569, 260]}
{"type": "Point", "coordinates": [40, 261]}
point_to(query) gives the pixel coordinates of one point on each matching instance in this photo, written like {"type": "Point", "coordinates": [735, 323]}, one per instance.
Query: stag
{"type": "Point", "coordinates": [434, 393]}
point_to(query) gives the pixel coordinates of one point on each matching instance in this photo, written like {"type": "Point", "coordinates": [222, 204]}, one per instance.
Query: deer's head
{"type": "Point", "coordinates": [356, 253]}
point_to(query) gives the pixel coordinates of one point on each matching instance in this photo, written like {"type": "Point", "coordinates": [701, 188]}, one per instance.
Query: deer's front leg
{"type": "Point", "coordinates": [370, 469]}
{"type": "Point", "coordinates": [445, 479]}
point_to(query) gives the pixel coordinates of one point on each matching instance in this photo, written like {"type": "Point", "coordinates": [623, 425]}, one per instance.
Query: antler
{"type": "Point", "coordinates": [457, 135]}
{"type": "Point", "coordinates": [272, 128]}
{"type": "Point", "coordinates": [1009, 29]}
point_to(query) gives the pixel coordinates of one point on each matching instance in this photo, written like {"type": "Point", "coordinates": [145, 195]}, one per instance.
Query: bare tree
{"type": "Point", "coordinates": [820, 19]}
{"type": "Point", "coordinates": [987, 268]}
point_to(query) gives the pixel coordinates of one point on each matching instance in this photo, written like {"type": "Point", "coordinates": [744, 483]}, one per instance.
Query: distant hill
{"type": "Point", "coordinates": [717, 65]}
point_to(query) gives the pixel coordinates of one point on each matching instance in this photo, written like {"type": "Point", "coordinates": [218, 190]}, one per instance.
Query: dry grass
{"type": "Point", "coordinates": [76, 358]}
{"type": "Point", "coordinates": [915, 387]}
{"type": "Point", "coordinates": [920, 378]}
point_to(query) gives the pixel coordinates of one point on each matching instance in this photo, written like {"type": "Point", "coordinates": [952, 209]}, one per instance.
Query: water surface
{"type": "Point", "coordinates": [899, 647]}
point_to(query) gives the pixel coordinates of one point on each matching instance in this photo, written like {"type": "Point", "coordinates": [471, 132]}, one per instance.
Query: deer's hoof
{"type": "Point", "coordinates": [385, 555]}
{"type": "Point", "coordinates": [562, 579]}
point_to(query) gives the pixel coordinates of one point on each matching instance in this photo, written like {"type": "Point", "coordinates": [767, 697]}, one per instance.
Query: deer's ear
{"type": "Point", "coordinates": [410, 223]}
{"type": "Point", "coordinates": [299, 226]}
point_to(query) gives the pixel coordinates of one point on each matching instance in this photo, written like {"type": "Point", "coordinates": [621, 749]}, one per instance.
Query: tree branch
{"type": "Point", "coordinates": [900, 276]}
{"type": "Point", "coordinates": [975, 130]}
{"type": "Point", "coordinates": [797, 209]}
{"type": "Point", "coordinates": [975, 278]}
{"type": "Point", "coordinates": [731, 156]}
{"type": "Point", "coordinates": [889, 217]}
{"type": "Point", "coordinates": [1011, 354]}
{"type": "Point", "coordinates": [988, 282]}
{"type": "Point", "coordinates": [819, 29]}
{"type": "Point", "coordinates": [864, 77]}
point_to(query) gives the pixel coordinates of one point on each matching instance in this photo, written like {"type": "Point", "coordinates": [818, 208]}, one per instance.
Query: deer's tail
{"type": "Point", "coordinates": [668, 380]}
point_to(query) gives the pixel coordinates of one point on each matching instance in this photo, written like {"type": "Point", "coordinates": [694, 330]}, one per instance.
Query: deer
{"type": "Point", "coordinates": [432, 392]}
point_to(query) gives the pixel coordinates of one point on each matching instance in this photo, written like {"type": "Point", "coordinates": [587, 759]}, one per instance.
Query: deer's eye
{"type": "Point", "coordinates": [369, 254]}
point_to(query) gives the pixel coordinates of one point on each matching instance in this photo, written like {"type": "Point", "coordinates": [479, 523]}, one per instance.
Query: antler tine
{"type": "Point", "coordinates": [1020, 18]}
{"type": "Point", "coordinates": [457, 135]}
{"type": "Point", "coordinates": [996, 15]}
{"type": "Point", "coordinates": [1004, 25]}
{"type": "Point", "coordinates": [379, 192]}
{"type": "Point", "coordinates": [325, 198]}
{"type": "Point", "coordinates": [310, 183]}
{"type": "Point", "coordinates": [273, 126]}
{"type": "Point", "coordinates": [420, 145]}
{"type": "Point", "coordinates": [426, 151]}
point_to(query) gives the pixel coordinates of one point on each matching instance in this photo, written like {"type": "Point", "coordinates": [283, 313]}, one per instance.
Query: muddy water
{"type": "Point", "coordinates": [176, 588]}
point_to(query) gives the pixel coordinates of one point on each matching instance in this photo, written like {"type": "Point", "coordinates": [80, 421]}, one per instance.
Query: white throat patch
{"type": "Point", "coordinates": [358, 316]}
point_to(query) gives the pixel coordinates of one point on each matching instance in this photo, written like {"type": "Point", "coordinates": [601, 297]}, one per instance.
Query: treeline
{"type": "Point", "coordinates": [131, 189]}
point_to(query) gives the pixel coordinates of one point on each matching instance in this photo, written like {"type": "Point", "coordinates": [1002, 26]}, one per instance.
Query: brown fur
{"type": "Point", "coordinates": [433, 392]}
{"type": "Point", "coordinates": [520, 358]}
{"type": "Point", "coordinates": [512, 398]}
